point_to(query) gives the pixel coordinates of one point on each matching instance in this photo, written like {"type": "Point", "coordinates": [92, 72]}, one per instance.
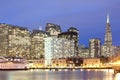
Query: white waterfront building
{"type": "Point", "coordinates": [56, 48]}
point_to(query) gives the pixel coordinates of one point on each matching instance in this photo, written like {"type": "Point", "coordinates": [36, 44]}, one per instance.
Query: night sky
{"type": "Point", "coordinates": [88, 16]}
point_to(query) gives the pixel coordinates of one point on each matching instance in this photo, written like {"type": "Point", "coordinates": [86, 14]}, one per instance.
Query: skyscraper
{"type": "Point", "coordinates": [14, 41]}
{"type": "Point", "coordinates": [94, 47]}
{"type": "Point", "coordinates": [56, 48]}
{"type": "Point", "coordinates": [107, 48]}
{"type": "Point", "coordinates": [37, 44]}
{"type": "Point", "coordinates": [83, 51]}
{"type": "Point", "coordinates": [108, 34]}
{"type": "Point", "coordinates": [71, 34]}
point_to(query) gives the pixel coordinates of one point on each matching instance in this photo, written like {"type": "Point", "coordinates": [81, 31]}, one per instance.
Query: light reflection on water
{"type": "Point", "coordinates": [83, 74]}
{"type": "Point", "coordinates": [117, 76]}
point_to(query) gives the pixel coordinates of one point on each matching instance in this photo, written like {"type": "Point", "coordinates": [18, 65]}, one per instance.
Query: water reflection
{"type": "Point", "coordinates": [117, 76]}
{"type": "Point", "coordinates": [83, 74]}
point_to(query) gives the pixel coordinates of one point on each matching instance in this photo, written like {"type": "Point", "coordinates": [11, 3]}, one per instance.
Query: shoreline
{"type": "Point", "coordinates": [56, 69]}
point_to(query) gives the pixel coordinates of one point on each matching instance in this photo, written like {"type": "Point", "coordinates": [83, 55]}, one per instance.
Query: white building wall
{"type": "Point", "coordinates": [58, 48]}
{"type": "Point", "coordinates": [48, 50]}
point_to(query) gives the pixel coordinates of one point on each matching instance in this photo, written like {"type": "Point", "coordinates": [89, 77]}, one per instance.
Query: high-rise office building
{"type": "Point", "coordinates": [37, 44]}
{"type": "Point", "coordinates": [71, 34]}
{"type": "Point", "coordinates": [14, 41]}
{"type": "Point", "coordinates": [107, 48]}
{"type": "Point", "coordinates": [94, 47]}
{"type": "Point", "coordinates": [56, 48]}
{"type": "Point", "coordinates": [53, 29]}
{"type": "Point", "coordinates": [83, 51]}
{"type": "Point", "coordinates": [108, 33]}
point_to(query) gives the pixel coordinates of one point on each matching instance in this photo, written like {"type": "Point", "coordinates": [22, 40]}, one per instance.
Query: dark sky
{"type": "Point", "coordinates": [88, 16]}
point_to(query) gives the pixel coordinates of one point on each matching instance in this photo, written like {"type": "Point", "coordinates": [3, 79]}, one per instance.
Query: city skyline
{"type": "Point", "coordinates": [84, 15]}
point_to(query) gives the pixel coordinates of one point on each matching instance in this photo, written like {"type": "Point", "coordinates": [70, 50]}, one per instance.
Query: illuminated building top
{"type": "Point", "coordinates": [108, 34]}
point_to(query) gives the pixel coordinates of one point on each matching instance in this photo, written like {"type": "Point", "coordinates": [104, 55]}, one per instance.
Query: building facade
{"type": "Point", "coordinates": [36, 63]}
{"type": "Point", "coordinates": [53, 29]}
{"type": "Point", "coordinates": [15, 41]}
{"type": "Point", "coordinates": [56, 48]}
{"type": "Point", "coordinates": [95, 47]}
{"type": "Point", "coordinates": [116, 50]}
{"type": "Point", "coordinates": [59, 63]}
{"type": "Point", "coordinates": [71, 34]}
{"type": "Point", "coordinates": [93, 63]}
{"type": "Point", "coordinates": [37, 44]}
{"type": "Point", "coordinates": [83, 51]}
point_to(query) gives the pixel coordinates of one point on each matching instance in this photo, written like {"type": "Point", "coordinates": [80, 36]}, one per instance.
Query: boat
{"type": "Point", "coordinates": [13, 63]}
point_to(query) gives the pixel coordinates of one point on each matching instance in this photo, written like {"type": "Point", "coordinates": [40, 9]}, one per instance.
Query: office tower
{"type": "Point", "coordinates": [71, 34]}
{"type": "Point", "coordinates": [83, 51]}
{"type": "Point", "coordinates": [53, 29]}
{"type": "Point", "coordinates": [108, 33]}
{"type": "Point", "coordinates": [37, 44]}
{"type": "Point", "coordinates": [56, 48]}
{"type": "Point", "coordinates": [107, 48]}
{"type": "Point", "coordinates": [14, 41]}
{"type": "Point", "coordinates": [94, 47]}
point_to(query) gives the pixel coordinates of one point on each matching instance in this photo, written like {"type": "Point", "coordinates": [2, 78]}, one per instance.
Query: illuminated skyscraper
{"type": "Point", "coordinates": [37, 44]}
{"type": "Point", "coordinates": [108, 34]}
{"type": "Point", "coordinates": [94, 47]}
{"type": "Point", "coordinates": [14, 41]}
{"type": "Point", "coordinates": [83, 51]}
{"type": "Point", "coordinates": [71, 34]}
{"type": "Point", "coordinates": [56, 48]}
{"type": "Point", "coordinates": [107, 48]}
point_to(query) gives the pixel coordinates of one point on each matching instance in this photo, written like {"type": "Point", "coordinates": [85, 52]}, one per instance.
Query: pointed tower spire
{"type": "Point", "coordinates": [108, 18]}
{"type": "Point", "coordinates": [108, 34]}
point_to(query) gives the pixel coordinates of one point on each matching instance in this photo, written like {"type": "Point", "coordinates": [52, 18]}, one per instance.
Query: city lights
{"type": "Point", "coordinates": [56, 49]}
